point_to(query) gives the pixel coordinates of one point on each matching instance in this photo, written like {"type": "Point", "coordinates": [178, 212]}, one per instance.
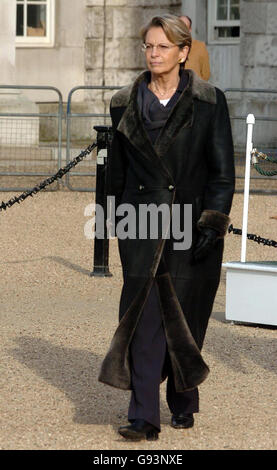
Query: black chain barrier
{"type": "Point", "coordinates": [253, 237]}
{"type": "Point", "coordinates": [60, 173]}
{"type": "Point", "coordinates": [103, 143]}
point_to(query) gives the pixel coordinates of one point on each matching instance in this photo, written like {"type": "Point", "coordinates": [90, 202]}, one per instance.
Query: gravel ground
{"type": "Point", "coordinates": [57, 323]}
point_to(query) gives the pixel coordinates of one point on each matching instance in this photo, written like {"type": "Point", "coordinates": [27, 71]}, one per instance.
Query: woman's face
{"type": "Point", "coordinates": [162, 56]}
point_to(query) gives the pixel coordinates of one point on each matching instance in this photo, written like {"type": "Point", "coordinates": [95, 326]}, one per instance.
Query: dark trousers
{"type": "Point", "coordinates": [148, 352]}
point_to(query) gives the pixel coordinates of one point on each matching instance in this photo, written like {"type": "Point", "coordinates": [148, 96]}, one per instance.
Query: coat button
{"type": "Point", "coordinates": [170, 187]}
{"type": "Point", "coordinates": [141, 187]}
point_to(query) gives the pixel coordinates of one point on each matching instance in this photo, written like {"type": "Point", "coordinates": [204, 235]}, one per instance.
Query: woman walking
{"type": "Point", "coordinates": [172, 147]}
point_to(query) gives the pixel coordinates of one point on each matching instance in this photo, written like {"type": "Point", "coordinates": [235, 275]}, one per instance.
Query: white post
{"type": "Point", "coordinates": [250, 121]}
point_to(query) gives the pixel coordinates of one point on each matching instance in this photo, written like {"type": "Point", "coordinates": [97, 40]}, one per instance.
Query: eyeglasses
{"type": "Point", "coordinates": [161, 48]}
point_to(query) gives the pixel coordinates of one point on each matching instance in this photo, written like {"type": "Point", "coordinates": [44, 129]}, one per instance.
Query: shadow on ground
{"type": "Point", "coordinates": [57, 259]}
{"type": "Point", "coordinates": [229, 343]}
{"type": "Point", "coordinates": [74, 372]}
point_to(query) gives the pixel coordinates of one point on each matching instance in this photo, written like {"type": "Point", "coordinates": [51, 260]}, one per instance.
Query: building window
{"type": "Point", "coordinates": [35, 23]}
{"type": "Point", "coordinates": [224, 21]}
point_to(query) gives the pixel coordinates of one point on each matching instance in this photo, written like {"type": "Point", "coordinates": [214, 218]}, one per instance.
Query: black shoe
{"type": "Point", "coordinates": [138, 430]}
{"type": "Point", "coordinates": [182, 421]}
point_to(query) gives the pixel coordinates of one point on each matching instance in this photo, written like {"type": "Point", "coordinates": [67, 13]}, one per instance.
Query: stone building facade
{"type": "Point", "coordinates": [258, 61]}
{"type": "Point", "coordinates": [96, 42]}
{"type": "Point", "coordinates": [112, 45]}
{"type": "Point", "coordinates": [258, 46]}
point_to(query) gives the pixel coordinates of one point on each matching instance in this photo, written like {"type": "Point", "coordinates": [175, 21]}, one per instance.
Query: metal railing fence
{"type": "Point", "coordinates": [89, 120]}
{"type": "Point", "coordinates": [33, 144]}
{"type": "Point", "coordinates": [25, 151]}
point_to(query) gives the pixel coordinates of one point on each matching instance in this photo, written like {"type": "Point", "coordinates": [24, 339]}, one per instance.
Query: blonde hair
{"type": "Point", "coordinates": [174, 28]}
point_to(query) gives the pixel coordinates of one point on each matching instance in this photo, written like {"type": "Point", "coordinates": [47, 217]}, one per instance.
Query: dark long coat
{"type": "Point", "coordinates": [191, 162]}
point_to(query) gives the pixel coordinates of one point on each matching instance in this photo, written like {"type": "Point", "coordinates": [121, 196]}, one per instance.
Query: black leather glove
{"type": "Point", "coordinates": [206, 241]}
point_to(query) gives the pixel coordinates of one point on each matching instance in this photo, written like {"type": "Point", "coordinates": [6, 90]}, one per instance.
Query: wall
{"type": "Point", "coordinates": [61, 66]}
{"type": "Point", "coordinates": [226, 71]}
{"type": "Point", "coordinates": [113, 53]}
{"type": "Point", "coordinates": [224, 59]}
{"type": "Point", "coordinates": [259, 43]}
{"type": "Point", "coordinates": [112, 50]}
{"type": "Point", "coordinates": [258, 57]}
{"type": "Point", "coordinates": [97, 43]}
{"type": "Point", "coordinates": [7, 38]}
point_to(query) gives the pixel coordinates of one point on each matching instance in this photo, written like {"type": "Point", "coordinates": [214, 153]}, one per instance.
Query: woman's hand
{"type": "Point", "coordinates": [206, 241]}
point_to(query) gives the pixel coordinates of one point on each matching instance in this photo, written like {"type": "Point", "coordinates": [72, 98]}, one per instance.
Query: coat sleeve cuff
{"type": "Point", "coordinates": [214, 219]}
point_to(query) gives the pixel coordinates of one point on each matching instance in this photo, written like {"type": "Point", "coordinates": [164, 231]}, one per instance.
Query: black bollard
{"type": "Point", "coordinates": [101, 244]}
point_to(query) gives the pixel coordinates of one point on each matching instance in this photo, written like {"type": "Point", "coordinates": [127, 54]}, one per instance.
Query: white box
{"type": "Point", "coordinates": [251, 292]}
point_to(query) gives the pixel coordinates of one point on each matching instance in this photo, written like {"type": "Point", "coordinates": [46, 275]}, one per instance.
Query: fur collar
{"type": "Point", "coordinates": [131, 124]}
{"type": "Point", "coordinates": [200, 89]}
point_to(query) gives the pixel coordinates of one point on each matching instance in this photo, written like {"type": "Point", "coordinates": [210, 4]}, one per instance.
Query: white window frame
{"type": "Point", "coordinates": [40, 41]}
{"type": "Point", "coordinates": [213, 22]}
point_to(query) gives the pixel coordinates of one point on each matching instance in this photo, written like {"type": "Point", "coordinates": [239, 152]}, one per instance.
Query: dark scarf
{"type": "Point", "coordinates": [155, 114]}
